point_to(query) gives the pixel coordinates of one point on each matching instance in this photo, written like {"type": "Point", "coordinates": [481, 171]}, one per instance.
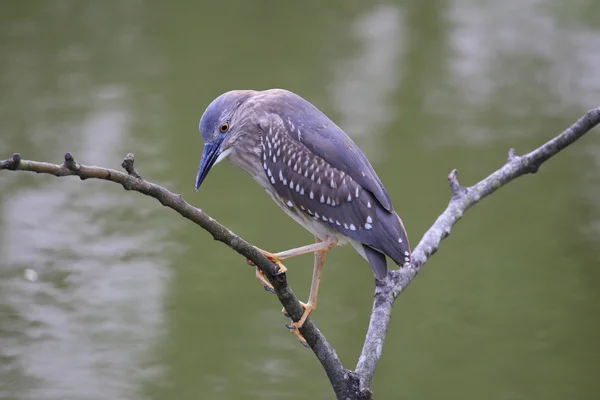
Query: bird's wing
{"type": "Point", "coordinates": [333, 145]}
{"type": "Point", "coordinates": [309, 185]}
{"type": "Point", "coordinates": [325, 139]}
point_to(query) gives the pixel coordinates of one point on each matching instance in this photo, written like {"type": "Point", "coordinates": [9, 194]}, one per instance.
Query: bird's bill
{"type": "Point", "coordinates": [209, 156]}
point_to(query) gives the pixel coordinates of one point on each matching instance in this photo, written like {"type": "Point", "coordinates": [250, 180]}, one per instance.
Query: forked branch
{"type": "Point", "coordinates": [347, 384]}
{"type": "Point", "coordinates": [461, 200]}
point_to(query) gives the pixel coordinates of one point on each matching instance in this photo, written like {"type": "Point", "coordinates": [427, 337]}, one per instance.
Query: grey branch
{"type": "Point", "coordinates": [347, 384]}
{"type": "Point", "coordinates": [462, 199]}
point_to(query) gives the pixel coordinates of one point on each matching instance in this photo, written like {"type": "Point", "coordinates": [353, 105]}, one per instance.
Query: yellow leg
{"type": "Point", "coordinates": [310, 248]}
{"type": "Point", "coordinates": [311, 305]}
{"type": "Point", "coordinates": [278, 257]}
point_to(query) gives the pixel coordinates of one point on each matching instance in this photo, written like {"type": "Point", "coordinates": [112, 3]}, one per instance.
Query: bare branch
{"type": "Point", "coordinates": [128, 165]}
{"type": "Point", "coordinates": [455, 187]}
{"type": "Point", "coordinates": [346, 384]}
{"type": "Point", "coordinates": [462, 199]}
{"type": "Point", "coordinates": [337, 374]}
{"type": "Point", "coordinates": [12, 163]}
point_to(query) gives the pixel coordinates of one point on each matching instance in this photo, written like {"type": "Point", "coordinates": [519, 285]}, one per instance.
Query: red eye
{"type": "Point", "coordinates": [224, 128]}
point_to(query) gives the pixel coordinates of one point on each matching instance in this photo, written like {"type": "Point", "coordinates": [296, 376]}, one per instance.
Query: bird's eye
{"type": "Point", "coordinates": [224, 127]}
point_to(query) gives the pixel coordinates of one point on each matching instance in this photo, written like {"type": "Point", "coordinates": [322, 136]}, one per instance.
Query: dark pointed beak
{"type": "Point", "coordinates": [209, 156]}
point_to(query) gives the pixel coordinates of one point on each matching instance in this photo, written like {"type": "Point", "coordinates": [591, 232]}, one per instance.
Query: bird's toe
{"type": "Point", "coordinates": [294, 330]}
{"type": "Point", "coordinates": [269, 289]}
{"type": "Point", "coordinates": [265, 282]}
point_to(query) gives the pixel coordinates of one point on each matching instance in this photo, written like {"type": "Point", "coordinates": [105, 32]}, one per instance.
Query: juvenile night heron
{"type": "Point", "coordinates": [312, 170]}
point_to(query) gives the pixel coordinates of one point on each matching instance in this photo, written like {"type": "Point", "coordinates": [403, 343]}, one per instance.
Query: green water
{"type": "Point", "coordinates": [134, 302]}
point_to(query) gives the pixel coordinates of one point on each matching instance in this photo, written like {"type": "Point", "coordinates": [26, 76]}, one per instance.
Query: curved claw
{"type": "Point", "coordinates": [294, 327]}
{"type": "Point", "coordinates": [269, 289]}
{"type": "Point", "coordinates": [308, 308]}
{"type": "Point", "coordinates": [265, 282]}
{"type": "Point", "coordinates": [294, 330]}
{"type": "Point", "coordinates": [281, 269]}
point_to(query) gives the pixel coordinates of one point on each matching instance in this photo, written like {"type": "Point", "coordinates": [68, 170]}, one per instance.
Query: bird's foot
{"type": "Point", "coordinates": [271, 257]}
{"type": "Point", "coordinates": [261, 275]}
{"type": "Point", "coordinates": [265, 282]}
{"type": "Point", "coordinates": [294, 327]}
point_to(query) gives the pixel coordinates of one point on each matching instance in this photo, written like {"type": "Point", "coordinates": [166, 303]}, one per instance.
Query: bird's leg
{"type": "Point", "coordinates": [298, 251]}
{"type": "Point", "coordinates": [311, 305]}
{"type": "Point", "coordinates": [278, 257]}
{"type": "Point", "coordinates": [310, 248]}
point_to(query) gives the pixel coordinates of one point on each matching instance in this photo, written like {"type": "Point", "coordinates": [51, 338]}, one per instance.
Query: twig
{"type": "Point", "coordinates": [462, 199]}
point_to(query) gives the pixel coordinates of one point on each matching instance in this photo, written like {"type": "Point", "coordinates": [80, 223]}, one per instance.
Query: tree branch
{"type": "Point", "coordinates": [131, 180]}
{"type": "Point", "coordinates": [462, 199]}
{"type": "Point", "coordinates": [346, 384]}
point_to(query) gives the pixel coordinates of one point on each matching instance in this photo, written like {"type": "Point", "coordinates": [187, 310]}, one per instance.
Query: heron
{"type": "Point", "coordinates": [313, 171]}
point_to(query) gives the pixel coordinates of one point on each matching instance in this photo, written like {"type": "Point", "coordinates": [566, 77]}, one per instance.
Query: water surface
{"type": "Point", "coordinates": [134, 302]}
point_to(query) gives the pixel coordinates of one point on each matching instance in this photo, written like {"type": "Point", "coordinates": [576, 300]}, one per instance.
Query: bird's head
{"type": "Point", "coordinates": [218, 126]}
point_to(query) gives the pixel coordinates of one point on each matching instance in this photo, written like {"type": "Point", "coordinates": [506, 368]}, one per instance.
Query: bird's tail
{"type": "Point", "coordinates": [377, 261]}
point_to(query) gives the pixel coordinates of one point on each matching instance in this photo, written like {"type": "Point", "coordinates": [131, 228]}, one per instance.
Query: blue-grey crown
{"type": "Point", "coordinates": [220, 111]}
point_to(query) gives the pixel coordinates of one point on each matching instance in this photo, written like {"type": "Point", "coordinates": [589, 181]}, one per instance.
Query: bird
{"type": "Point", "coordinates": [313, 171]}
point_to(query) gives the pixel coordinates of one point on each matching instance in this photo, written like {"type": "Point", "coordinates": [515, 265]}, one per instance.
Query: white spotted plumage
{"type": "Point", "coordinates": [342, 191]}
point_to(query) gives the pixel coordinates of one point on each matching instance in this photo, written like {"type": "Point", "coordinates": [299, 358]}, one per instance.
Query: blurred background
{"type": "Point", "coordinates": [134, 302]}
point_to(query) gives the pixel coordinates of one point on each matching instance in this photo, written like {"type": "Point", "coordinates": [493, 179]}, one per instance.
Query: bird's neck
{"type": "Point", "coordinates": [247, 157]}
